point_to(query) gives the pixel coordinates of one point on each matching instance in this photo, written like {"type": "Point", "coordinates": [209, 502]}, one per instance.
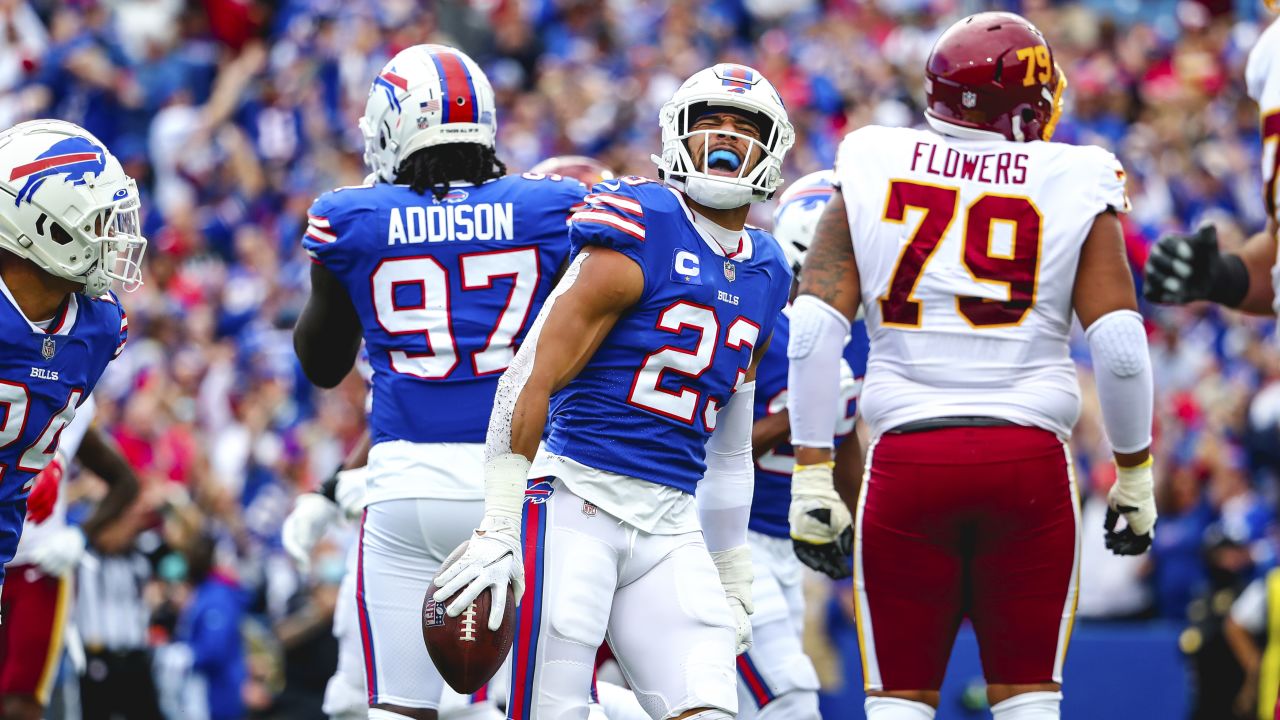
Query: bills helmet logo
{"type": "Point", "coordinates": [389, 82]}
{"type": "Point", "coordinates": [538, 492]}
{"type": "Point", "coordinates": [77, 158]}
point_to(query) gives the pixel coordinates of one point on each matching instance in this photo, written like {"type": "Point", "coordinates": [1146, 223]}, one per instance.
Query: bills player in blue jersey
{"type": "Point", "coordinates": [441, 267]}
{"type": "Point", "coordinates": [641, 374]}
{"type": "Point", "coordinates": [776, 680]}
{"type": "Point", "coordinates": [68, 228]}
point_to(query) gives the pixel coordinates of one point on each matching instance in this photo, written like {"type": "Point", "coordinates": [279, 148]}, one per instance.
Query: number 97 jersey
{"type": "Point", "coordinates": [445, 291]}
{"type": "Point", "coordinates": [967, 252]}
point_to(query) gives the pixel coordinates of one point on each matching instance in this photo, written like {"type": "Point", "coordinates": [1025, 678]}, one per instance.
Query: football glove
{"type": "Point", "coordinates": [44, 491]}
{"type": "Point", "coordinates": [351, 490]}
{"type": "Point", "coordinates": [734, 567]}
{"type": "Point", "coordinates": [311, 517]}
{"type": "Point", "coordinates": [1132, 497]}
{"type": "Point", "coordinates": [1183, 268]}
{"type": "Point", "coordinates": [491, 558]}
{"type": "Point", "coordinates": [821, 526]}
{"type": "Point", "coordinates": [59, 553]}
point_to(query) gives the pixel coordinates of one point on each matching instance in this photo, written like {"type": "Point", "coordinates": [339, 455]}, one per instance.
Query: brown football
{"type": "Point", "coordinates": [465, 651]}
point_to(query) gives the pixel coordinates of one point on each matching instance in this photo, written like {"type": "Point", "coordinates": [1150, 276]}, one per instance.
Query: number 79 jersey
{"type": "Point", "coordinates": [967, 253]}
{"type": "Point", "coordinates": [445, 291]}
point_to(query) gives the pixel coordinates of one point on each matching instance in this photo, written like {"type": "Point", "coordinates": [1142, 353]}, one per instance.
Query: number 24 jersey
{"type": "Point", "coordinates": [967, 253]}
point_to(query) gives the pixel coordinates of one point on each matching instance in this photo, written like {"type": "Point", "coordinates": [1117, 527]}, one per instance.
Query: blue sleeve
{"type": "Point", "coordinates": [856, 351]}
{"type": "Point", "coordinates": [612, 217]}
{"type": "Point", "coordinates": [122, 331]}
{"type": "Point", "coordinates": [322, 240]}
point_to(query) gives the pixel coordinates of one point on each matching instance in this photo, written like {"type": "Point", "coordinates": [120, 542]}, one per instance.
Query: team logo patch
{"type": "Point", "coordinates": [77, 158]}
{"type": "Point", "coordinates": [432, 614]}
{"type": "Point", "coordinates": [454, 196]}
{"type": "Point", "coordinates": [730, 271]}
{"type": "Point", "coordinates": [48, 348]}
{"type": "Point", "coordinates": [539, 492]}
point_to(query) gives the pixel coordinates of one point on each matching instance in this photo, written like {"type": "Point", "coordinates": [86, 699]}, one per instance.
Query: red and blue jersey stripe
{"type": "Point", "coordinates": [529, 613]}
{"type": "Point", "coordinates": [755, 682]}
{"type": "Point", "coordinates": [366, 630]}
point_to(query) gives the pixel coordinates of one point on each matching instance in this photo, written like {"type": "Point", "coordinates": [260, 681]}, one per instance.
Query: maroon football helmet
{"type": "Point", "coordinates": [994, 72]}
{"type": "Point", "coordinates": [585, 170]}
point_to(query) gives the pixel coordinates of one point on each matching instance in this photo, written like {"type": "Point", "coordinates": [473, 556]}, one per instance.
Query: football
{"type": "Point", "coordinates": [465, 651]}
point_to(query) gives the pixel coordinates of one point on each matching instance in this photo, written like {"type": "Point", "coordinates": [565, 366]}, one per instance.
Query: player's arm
{"type": "Point", "coordinates": [847, 474]}
{"type": "Point", "coordinates": [1185, 267]}
{"type": "Point", "coordinates": [327, 336]}
{"type": "Point", "coordinates": [99, 453]}
{"type": "Point", "coordinates": [769, 432]}
{"type": "Point", "coordinates": [1105, 302]}
{"type": "Point", "coordinates": [599, 287]}
{"type": "Point", "coordinates": [821, 525]}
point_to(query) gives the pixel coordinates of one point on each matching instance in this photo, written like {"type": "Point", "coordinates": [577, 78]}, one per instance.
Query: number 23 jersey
{"type": "Point", "coordinates": [646, 403]}
{"type": "Point", "coordinates": [967, 253]}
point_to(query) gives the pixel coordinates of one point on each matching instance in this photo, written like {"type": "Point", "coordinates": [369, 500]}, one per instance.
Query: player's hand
{"type": "Point", "coordinates": [491, 558]}
{"type": "Point", "coordinates": [1182, 266]}
{"type": "Point", "coordinates": [351, 490]}
{"type": "Point", "coordinates": [311, 517]}
{"type": "Point", "coordinates": [44, 491]}
{"type": "Point", "coordinates": [821, 526]}
{"type": "Point", "coordinates": [1133, 498]}
{"type": "Point", "coordinates": [59, 553]}
{"type": "Point", "coordinates": [734, 566]}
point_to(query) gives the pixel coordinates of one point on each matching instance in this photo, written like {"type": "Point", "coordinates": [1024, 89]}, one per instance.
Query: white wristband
{"type": "Point", "coordinates": [505, 479]}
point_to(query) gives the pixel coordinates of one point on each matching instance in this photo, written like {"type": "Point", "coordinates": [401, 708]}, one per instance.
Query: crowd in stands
{"type": "Point", "coordinates": [235, 114]}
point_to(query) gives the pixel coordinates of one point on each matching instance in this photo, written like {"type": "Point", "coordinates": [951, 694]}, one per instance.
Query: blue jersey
{"type": "Point", "coordinates": [44, 376]}
{"type": "Point", "coordinates": [445, 291]}
{"type": "Point", "coordinates": [646, 403]}
{"type": "Point", "coordinates": [772, 496]}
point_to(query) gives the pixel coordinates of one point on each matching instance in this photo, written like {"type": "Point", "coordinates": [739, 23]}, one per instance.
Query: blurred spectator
{"type": "Point", "coordinates": [210, 627]}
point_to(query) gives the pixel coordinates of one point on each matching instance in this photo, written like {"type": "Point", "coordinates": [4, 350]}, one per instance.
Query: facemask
{"type": "Point", "coordinates": [716, 193]}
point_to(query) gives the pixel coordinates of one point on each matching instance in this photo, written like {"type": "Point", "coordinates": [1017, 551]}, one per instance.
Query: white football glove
{"type": "Point", "coordinates": [59, 553]}
{"type": "Point", "coordinates": [734, 566]}
{"type": "Point", "coordinates": [311, 517]}
{"type": "Point", "coordinates": [821, 526]}
{"type": "Point", "coordinates": [491, 558]}
{"type": "Point", "coordinates": [1131, 496]}
{"type": "Point", "coordinates": [352, 487]}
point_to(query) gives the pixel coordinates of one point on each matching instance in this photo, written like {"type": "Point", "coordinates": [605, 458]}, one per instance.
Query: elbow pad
{"type": "Point", "coordinates": [724, 494]}
{"type": "Point", "coordinates": [818, 336]}
{"type": "Point", "coordinates": [1122, 364]}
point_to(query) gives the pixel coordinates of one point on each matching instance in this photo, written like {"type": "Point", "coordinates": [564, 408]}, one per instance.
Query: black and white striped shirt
{"type": "Point", "coordinates": [110, 611]}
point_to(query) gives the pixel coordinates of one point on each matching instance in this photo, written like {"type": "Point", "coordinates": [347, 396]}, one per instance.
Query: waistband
{"type": "Point", "coordinates": [958, 421]}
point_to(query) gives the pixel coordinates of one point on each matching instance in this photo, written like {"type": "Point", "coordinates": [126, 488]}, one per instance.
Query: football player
{"type": "Point", "coordinates": [641, 373]}
{"type": "Point", "coordinates": [968, 246]}
{"type": "Point", "coordinates": [1185, 267]}
{"type": "Point", "coordinates": [68, 228]}
{"type": "Point", "coordinates": [441, 266]}
{"type": "Point", "coordinates": [775, 678]}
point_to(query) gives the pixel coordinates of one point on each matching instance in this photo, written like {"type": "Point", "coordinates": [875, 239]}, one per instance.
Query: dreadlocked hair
{"type": "Point", "coordinates": [433, 168]}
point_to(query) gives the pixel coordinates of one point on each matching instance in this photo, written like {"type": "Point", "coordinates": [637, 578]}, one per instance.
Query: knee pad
{"type": "Point", "coordinates": [891, 708]}
{"type": "Point", "coordinates": [707, 715]}
{"type": "Point", "coordinates": [795, 705]}
{"type": "Point", "coordinates": [1029, 706]}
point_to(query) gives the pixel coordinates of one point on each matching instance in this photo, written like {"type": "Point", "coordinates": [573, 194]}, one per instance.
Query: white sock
{"type": "Point", "coordinates": [1029, 706]}
{"type": "Point", "coordinates": [890, 708]}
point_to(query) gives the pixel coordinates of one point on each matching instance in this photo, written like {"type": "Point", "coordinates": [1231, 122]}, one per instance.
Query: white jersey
{"type": "Point", "coordinates": [967, 253]}
{"type": "Point", "coordinates": [1262, 76]}
{"type": "Point", "coordinates": [68, 444]}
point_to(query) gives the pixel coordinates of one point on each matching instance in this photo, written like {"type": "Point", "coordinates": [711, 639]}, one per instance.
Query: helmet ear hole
{"type": "Point", "coordinates": [59, 234]}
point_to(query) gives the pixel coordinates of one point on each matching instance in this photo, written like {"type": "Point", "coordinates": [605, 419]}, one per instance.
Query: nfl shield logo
{"type": "Point", "coordinates": [48, 348]}
{"type": "Point", "coordinates": [969, 99]}
{"type": "Point", "coordinates": [729, 271]}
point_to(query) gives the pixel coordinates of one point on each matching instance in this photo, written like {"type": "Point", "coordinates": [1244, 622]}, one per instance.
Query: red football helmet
{"type": "Point", "coordinates": [585, 170]}
{"type": "Point", "coordinates": [994, 73]}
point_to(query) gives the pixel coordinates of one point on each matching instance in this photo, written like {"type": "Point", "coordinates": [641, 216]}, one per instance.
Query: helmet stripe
{"type": "Point", "coordinates": [458, 93]}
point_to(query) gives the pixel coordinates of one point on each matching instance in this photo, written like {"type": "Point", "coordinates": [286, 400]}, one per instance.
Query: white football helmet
{"type": "Point", "coordinates": [68, 206]}
{"type": "Point", "coordinates": [796, 218]}
{"type": "Point", "coordinates": [737, 87]}
{"type": "Point", "coordinates": [426, 95]}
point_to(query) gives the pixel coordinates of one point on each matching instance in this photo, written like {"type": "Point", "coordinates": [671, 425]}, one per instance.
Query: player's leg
{"type": "Point", "coordinates": [571, 571]}
{"type": "Point", "coordinates": [775, 677]}
{"type": "Point", "coordinates": [1026, 572]}
{"type": "Point", "coordinates": [35, 610]}
{"type": "Point", "coordinates": [402, 544]}
{"type": "Point", "coordinates": [345, 696]}
{"type": "Point", "coordinates": [671, 598]}
{"type": "Point", "coordinates": [908, 571]}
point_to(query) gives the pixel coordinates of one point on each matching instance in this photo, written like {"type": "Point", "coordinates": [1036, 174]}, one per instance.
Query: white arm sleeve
{"type": "Point", "coordinates": [505, 471]}
{"type": "Point", "coordinates": [1122, 364]}
{"type": "Point", "coordinates": [818, 336]}
{"type": "Point", "coordinates": [724, 493]}
{"type": "Point", "coordinates": [73, 434]}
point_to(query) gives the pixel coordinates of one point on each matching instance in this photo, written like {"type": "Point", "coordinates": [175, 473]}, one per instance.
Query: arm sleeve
{"type": "Point", "coordinates": [612, 217]}
{"type": "Point", "coordinates": [321, 239]}
{"type": "Point", "coordinates": [724, 494]}
{"type": "Point", "coordinates": [1112, 179]}
{"type": "Point", "coordinates": [124, 328]}
{"type": "Point", "coordinates": [818, 336]}
{"type": "Point", "coordinates": [1122, 364]}
{"type": "Point", "coordinates": [73, 433]}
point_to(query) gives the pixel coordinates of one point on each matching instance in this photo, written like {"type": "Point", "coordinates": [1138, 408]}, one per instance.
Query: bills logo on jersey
{"type": "Point", "coordinates": [538, 492]}
{"type": "Point", "coordinates": [77, 158]}
{"type": "Point", "coordinates": [48, 348]}
{"type": "Point", "coordinates": [454, 196]}
{"type": "Point", "coordinates": [684, 268]}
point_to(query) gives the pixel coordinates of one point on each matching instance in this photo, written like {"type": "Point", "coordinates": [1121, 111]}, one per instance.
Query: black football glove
{"type": "Point", "coordinates": [832, 559]}
{"type": "Point", "coordinates": [1183, 268]}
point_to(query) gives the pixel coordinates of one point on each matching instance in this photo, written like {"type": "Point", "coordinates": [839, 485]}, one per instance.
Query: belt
{"type": "Point", "coordinates": [958, 421]}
